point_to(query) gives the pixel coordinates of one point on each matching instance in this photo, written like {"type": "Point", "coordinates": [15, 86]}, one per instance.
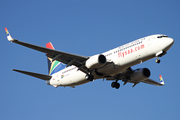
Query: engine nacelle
{"type": "Point", "coordinates": [95, 61]}
{"type": "Point", "coordinates": [140, 74]}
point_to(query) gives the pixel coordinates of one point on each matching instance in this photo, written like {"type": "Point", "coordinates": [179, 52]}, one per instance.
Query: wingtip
{"type": "Point", "coordinates": [49, 45]}
{"type": "Point", "coordinates": [6, 29]}
{"type": "Point", "coordinates": [8, 35]}
{"type": "Point", "coordinates": [14, 70]}
{"type": "Point", "coordinates": [161, 80]}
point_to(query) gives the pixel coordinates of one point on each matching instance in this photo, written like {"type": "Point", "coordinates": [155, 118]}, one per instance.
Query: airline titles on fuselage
{"type": "Point", "coordinates": [127, 48]}
{"type": "Point", "coordinates": [122, 51]}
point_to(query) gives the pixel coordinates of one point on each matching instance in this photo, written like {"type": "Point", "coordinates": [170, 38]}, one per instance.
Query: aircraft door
{"type": "Point", "coordinates": [151, 45]}
{"type": "Point", "coordinates": [149, 41]}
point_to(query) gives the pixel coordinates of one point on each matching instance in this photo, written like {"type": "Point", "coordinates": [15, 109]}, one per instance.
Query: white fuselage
{"type": "Point", "coordinates": [122, 58]}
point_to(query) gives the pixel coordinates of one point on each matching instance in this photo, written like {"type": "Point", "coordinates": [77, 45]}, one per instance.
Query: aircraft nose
{"type": "Point", "coordinates": [169, 42]}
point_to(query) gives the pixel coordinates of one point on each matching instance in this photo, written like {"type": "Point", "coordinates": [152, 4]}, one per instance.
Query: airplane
{"type": "Point", "coordinates": [70, 70]}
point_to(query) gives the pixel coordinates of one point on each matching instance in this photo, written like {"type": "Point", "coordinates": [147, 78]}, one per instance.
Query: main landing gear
{"type": "Point", "coordinates": [115, 85]}
{"type": "Point", "coordinates": [89, 77]}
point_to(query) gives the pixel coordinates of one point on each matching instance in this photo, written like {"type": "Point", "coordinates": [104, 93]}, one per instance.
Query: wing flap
{"type": "Point", "coordinates": [37, 75]}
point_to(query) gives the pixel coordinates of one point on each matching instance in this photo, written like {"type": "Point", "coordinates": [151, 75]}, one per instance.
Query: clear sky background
{"type": "Point", "coordinates": [86, 27]}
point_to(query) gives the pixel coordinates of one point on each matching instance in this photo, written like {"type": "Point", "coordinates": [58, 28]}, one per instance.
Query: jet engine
{"type": "Point", "coordinates": [140, 74]}
{"type": "Point", "coordinates": [95, 61]}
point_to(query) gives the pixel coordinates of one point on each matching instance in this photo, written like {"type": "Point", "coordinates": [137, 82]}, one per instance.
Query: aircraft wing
{"type": "Point", "coordinates": [67, 58]}
{"type": "Point", "coordinates": [124, 75]}
{"type": "Point", "coordinates": [152, 82]}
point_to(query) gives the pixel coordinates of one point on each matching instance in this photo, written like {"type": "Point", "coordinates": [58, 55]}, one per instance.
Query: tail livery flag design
{"type": "Point", "coordinates": [7, 32]}
{"type": "Point", "coordinates": [53, 66]}
{"type": "Point", "coordinates": [161, 79]}
{"type": "Point", "coordinates": [8, 35]}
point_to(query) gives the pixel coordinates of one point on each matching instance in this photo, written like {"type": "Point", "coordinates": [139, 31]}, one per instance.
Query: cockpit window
{"type": "Point", "coordinates": [162, 36]}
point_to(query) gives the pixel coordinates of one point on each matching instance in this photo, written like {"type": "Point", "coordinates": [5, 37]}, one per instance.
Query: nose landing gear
{"type": "Point", "coordinates": [158, 60]}
{"type": "Point", "coordinates": [160, 54]}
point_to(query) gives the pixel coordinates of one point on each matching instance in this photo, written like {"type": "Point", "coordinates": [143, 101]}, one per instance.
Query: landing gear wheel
{"type": "Point", "coordinates": [115, 85]}
{"type": "Point", "coordinates": [89, 77]}
{"type": "Point", "coordinates": [158, 60]}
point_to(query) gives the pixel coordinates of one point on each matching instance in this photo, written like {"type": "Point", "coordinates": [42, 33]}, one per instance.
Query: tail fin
{"type": "Point", "coordinates": [161, 80]}
{"type": "Point", "coordinates": [53, 66]}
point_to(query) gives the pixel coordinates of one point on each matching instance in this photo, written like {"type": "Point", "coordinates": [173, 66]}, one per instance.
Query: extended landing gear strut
{"type": "Point", "coordinates": [160, 54]}
{"type": "Point", "coordinates": [115, 85]}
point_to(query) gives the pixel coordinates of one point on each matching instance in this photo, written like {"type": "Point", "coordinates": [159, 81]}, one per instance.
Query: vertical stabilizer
{"type": "Point", "coordinates": [53, 66]}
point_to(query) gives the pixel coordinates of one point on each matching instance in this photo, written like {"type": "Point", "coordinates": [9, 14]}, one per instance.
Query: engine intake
{"type": "Point", "coordinates": [95, 61]}
{"type": "Point", "coordinates": [140, 74]}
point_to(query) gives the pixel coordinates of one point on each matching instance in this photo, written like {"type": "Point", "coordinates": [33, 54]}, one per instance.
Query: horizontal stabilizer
{"type": "Point", "coordinates": [37, 75]}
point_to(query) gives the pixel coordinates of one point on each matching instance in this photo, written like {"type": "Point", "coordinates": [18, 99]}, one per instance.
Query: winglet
{"type": "Point", "coordinates": [161, 80]}
{"type": "Point", "coordinates": [8, 35]}
{"type": "Point", "coordinates": [50, 46]}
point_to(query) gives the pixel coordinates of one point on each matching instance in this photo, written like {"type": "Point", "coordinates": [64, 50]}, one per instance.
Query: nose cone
{"type": "Point", "coordinates": [169, 42]}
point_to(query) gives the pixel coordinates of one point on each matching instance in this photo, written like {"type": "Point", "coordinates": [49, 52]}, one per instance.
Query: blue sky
{"type": "Point", "coordinates": [86, 27]}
